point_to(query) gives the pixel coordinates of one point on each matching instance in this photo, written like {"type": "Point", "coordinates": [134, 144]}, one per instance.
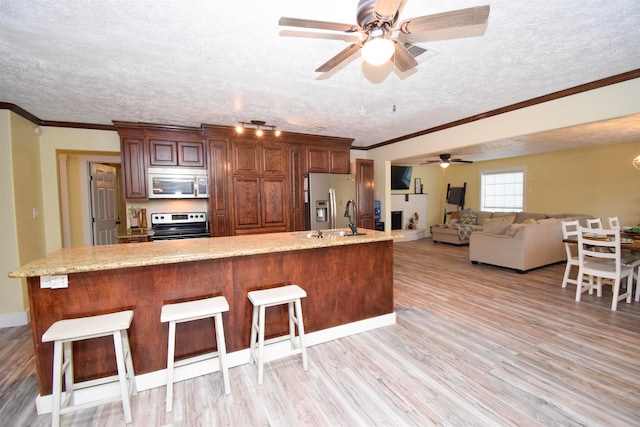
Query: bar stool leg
{"type": "Point", "coordinates": [222, 353]}
{"type": "Point", "coordinates": [122, 376]}
{"type": "Point", "coordinates": [261, 321]}
{"type": "Point", "coordinates": [57, 383]}
{"type": "Point", "coordinates": [170, 361]}
{"type": "Point", "coordinates": [129, 364]}
{"type": "Point", "coordinates": [254, 335]}
{"type": "Point", "coordinates": [67, 372]}
{"type": "Point", "coordinates": [303, 346]}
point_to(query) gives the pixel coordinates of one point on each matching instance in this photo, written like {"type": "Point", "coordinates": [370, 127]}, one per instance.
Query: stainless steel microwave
{"type": "Point", "coordinates": [178, 183]}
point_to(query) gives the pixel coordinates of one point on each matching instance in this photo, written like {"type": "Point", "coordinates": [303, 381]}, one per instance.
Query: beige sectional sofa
{"type": "Point", "coordinates": [521, 246]}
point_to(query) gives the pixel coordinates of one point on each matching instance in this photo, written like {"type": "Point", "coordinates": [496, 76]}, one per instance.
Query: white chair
{"type": "Point", "coordinates": [594, 223]}
{"type": "Point", "coordinates": [600, 256]}
{"type": "Point", "coordinates": [614, 223]}
{"type": "Point", "coordinates": [187, 312]}
{"type": "Point", "coordinates": [261, 299]}
{"type": "Point", "coordinates": [63, 333]}
{"type": "Point", "coordinates": [570, 231]}
{"type": "Point", "coordinates": [628, 258]}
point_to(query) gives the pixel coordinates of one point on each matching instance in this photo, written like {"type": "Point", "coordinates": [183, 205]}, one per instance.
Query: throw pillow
{"type": "Point", "coordinates": [497, 225]}
{"type": "Point", "coordinates": [453, 221]}
{"type": "Point", "coordinates": [514, 228]}
{"type": "Point", "coordinates": [530, 221]}
{"type": "Point", "coordinates": [468, 219]}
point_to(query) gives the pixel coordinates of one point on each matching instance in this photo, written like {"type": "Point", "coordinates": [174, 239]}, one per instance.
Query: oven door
{"type": "Point", "coordinates": [171, 187]}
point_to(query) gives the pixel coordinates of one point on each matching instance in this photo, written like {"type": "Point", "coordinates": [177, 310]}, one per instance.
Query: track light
{"type": "Point", "coordinates": [259, 126]}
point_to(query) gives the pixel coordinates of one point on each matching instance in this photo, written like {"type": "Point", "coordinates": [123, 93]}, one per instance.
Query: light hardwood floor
{"type": "Point", "coordinates": [474, 345]}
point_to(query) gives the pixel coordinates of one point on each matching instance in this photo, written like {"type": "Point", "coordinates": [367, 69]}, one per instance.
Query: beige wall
{"type": "Point", "coordinates": [53, 140]}
{"type": "Point", "coordinates": [599, 181]}
{"type": "Point", "coordinates": [22, 235]}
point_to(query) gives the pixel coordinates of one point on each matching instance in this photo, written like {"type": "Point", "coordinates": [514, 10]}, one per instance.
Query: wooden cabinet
{"type": "Point", "coordinates": [325, 159]}
{"type": "Point", "coordinates": [133, 239]}
{"type": "Point", "coordinates": [296, 180]}
{"type": "Point", "coordinates": [340, 161]}
{"type": "Point", "coordinates": [176, 153]}
{"type": "Point", "coordinates": [365, 193]}
{"type": "Point", "coordinates": [218, 193]}
{"type": "Point", "coordinates": [134, 172]}
{"type": "Point", "coordinates": [259, 186]}
{"type": "Point", "coordinates": [143, 146]}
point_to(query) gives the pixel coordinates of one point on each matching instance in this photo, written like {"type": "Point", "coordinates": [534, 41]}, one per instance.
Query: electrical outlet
{"type": "Point", "coordinates": [54, 282]}
{"type": "Point", "coordinates": [35, 212]}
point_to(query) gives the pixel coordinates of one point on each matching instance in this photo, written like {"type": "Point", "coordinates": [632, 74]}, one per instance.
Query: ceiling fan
{"type": "Point", "coordinates": [445, 160]}
{"type": "Point", "coordinates": [378, 20]}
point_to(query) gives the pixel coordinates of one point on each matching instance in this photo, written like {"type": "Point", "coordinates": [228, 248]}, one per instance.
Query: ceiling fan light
{"type": "Point", "coordinates": [444, 165]}
{"type": "Point", "coordinates": [377, 51]}
{"type": "Point", "coordinates": [636, 163]}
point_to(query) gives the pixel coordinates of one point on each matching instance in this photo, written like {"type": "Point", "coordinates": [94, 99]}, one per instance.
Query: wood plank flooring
{"type": "Point", "coordinates": [474, 345]}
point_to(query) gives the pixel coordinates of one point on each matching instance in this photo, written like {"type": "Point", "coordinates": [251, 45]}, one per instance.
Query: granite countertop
{"type": "Point", "coordinates": [129, 233]}
{"type": "Point", "coordinates": [95, 258]}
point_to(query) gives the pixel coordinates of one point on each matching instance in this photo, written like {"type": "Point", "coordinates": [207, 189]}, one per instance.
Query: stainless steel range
{"type": "Point", "coordinates": [179, 225]}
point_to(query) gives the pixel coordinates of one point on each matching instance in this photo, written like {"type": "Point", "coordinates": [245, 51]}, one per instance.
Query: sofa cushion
{"type": "Point", "coordinates": [498, 225]}
{"type": "Point", "coordinates": [523, 216]}
{"type": "Point", "coordinates": [482, 215]}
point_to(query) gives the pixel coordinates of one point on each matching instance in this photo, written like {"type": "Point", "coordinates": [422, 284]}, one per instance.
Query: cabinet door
{"type": "Point", "coordinates": [365, 193]}
{"type": "Point", "coordinates": [340, 161]}
{"type": "Point", "coordinates": [246, 197]}
{"type": "Point", "coordinates": [245, 159]}
{"type": "Point", "coordinates": [162, 153]}
{"type": "Point", "coordinates": [274, 202]}
{"type": "Point", "coordinates": [134, 172]}
{"type": "Point", "coordinates": [317, 159]}
{"type": "Point", "coordinates": [296, 176]}
{"type": "Point", "coordinates": [218, 189]}
{"type": "Point", "coordinates": [191, 154]}
{"type": "Point", "coordinates": [274, 159]}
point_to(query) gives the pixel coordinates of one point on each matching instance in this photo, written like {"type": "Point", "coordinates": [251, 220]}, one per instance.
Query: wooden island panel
{"type": "Point", "coordinates": [344, 284]}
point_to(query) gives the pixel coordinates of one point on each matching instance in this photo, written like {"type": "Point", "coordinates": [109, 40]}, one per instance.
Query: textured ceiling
{"type": "Point", "coordinates": [203, 61]}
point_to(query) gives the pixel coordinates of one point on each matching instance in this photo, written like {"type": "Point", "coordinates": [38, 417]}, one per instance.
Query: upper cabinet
{"type": "Point", "coordinates": [134, 169]}
{"type": "Point", "coordinates": [327, 159]}
{"type": "Point", "coordinates": [176, 153]}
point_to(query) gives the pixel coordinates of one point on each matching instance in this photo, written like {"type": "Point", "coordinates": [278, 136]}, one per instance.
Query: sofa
{"type": "Point", "coordinates": [461, 225]}
{"type": "Point", "coordinates": [521, 246]}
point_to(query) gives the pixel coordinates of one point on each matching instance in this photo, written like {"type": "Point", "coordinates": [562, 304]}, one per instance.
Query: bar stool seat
{"type": "Point", "coordinates": [63, 333]}
{"type": "Point", "coordinates": [187, 312]}
{"type": "Point", "coordinates": [261, 299]}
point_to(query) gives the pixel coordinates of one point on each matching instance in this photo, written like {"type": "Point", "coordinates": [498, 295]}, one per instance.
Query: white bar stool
{"type": "Point", "coordinates": [290, 295]}
{"type": "Point", "coordinates": [186, 312]}
{"type": "Point", "coordinates": [63, 333]}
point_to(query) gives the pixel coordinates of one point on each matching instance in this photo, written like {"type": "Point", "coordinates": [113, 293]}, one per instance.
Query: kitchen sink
{"type": "Point", "coordinates": [327, 233]}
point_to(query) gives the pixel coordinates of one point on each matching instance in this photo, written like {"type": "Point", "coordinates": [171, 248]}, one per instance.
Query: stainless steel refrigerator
{"type": "Point", "coordinates": [326, 196]}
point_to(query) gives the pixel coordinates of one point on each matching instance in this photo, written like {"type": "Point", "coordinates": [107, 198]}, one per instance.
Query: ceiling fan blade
{"type": "Point", "coordinates": [343, 55]}
{"type": "Point", "coordinates": [321, 25]}
{"type": "Point", "coordinates": [429, 162]}
{"type": "Point", "coordinates": [460, 161]}
{"type": "Point", "coordinates": [456, 18]}
{"type": "Point", "coordinates": [388, 8]}
{"type": "Point", "coordinates": [402, 58]}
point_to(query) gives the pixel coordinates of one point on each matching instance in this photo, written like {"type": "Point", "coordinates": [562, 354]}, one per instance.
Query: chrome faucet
{"type": "Point", "coordinates": [352, 220]}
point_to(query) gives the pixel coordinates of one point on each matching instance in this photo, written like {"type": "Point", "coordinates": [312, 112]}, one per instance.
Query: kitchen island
{"type": "Point", "coordinates": [348, 279]}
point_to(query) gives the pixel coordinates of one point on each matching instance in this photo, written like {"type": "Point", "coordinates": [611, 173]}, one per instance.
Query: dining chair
{"type": "Point", "coordinates": [570, 231]}
{"type": "Point", "coordinates": [614, 222]}
{"type": "Point", "coordinates": [600, 256]}
{"type": "Point", "coordinates": [594, 223]}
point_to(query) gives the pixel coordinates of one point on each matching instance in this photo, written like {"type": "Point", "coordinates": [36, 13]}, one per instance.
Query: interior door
{"type": "Point", "coordinates": [104, 204]}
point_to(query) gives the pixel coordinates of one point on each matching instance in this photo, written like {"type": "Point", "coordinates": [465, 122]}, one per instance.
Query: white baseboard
{"type": "Point", "coordinates": [273, 351]}
{"type": "Point", "coordinates": [10, 320]}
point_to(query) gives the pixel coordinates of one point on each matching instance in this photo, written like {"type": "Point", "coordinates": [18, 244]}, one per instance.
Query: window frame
{"type": "Point", "coordinates": [483, 173]}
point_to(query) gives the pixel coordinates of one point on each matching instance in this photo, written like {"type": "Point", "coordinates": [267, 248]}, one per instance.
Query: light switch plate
{"type": "Point", "coordinates": [54, 282]}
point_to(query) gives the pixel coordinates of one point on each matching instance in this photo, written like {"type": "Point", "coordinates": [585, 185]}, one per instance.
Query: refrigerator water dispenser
{"type": "Point", "coordinates": [322, 212]}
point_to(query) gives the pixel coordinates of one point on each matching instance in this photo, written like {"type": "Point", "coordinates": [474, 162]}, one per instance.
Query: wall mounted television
{"type": "Point", "coordinates": [401, 177]}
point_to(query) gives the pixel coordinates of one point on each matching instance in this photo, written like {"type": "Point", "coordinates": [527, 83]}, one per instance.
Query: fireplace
{"type": "Point", "coordinates": [396, 220]}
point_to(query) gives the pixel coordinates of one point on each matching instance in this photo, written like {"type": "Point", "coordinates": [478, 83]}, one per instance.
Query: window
{"type": "Point", "coordinates": [502, 190]}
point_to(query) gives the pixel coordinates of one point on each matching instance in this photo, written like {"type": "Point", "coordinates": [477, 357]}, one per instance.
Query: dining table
{"type": "Point", "coordinates": [629, 241]}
